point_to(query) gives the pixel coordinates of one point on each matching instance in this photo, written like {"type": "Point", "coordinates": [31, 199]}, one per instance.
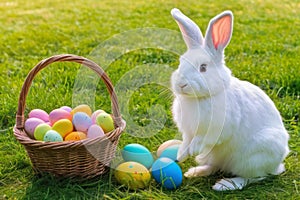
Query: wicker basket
{"type": "Point", "coordinates": [79, 159]}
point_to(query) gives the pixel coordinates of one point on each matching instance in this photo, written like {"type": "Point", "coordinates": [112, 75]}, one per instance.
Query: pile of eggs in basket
{"type": "Point", "coordinates": [139, 166]}
{"type": "Point", "coordinates": [67, 124]}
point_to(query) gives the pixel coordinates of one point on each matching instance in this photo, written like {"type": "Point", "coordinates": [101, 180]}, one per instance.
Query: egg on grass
{"type": "Point", "coordinates": [132, 174]}
{"type": "Point", "coordinates": [167, 173]}
{"type": "Point", "coordinates": [137, 153]}
{"type": "Point", "coordinates": [170, 152]}
{"type": "Point", "coordinates": [166, 144]}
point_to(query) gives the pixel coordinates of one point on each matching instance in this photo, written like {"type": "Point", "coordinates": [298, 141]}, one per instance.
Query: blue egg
{"type": "Point", "coordinates": [137, 153]}
{"type": "Point", "coordinates": [81, 121]}
{"type": "Point", "coordinates": [167, 172]}
{"type": "Point", "coordinates": [170, 152]}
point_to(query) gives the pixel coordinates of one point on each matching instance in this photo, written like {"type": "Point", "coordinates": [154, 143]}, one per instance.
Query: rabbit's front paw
{"type": "Point", "coordinates": [204, 170]}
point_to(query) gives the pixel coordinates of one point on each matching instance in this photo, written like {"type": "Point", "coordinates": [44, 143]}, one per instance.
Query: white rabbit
{"type": "Point", "coordinates": [228, 124]}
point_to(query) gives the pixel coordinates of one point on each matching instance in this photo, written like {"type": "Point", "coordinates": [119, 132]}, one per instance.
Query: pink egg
{"type": "Point", "coordinates": [31, 124]}
{"type": "Point", "coordinates": [40, 114]}
{"type": "Point", "coordinates": [95, 131]}
{"type": "Point", "coordinates": [66, 108]}
{"type": "Point", "coordinates": [81, 121]}
{"type": "Point", "coordinates": [58, 114]}
{"type": "Point", "coordinates": [95, 114]}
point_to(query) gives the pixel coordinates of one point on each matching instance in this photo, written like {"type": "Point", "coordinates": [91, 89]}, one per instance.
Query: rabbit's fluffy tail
{"type": "Point", "coordinates": [279, 170]}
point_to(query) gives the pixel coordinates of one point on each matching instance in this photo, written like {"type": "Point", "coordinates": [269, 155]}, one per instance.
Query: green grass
{"type": "Point", "coordinates": [264, 50]}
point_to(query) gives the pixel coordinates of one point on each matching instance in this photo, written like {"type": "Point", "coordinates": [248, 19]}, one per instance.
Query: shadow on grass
{"type": "Point", "coordinates": [47, 186]}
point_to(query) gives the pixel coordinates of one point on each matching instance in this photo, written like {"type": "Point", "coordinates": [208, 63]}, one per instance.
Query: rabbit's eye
{"type": "Point", "coordinates": [203, 67]}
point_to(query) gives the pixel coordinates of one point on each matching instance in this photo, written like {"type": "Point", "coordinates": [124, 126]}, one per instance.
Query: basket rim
{"type": "Point", "coordinates": [24, 139]}
{"type": "Point", "coordinates": [19, 130]}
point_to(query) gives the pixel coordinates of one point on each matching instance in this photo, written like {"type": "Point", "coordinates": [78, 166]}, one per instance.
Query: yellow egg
{"type": "Point", "coordinates": [63, 127]}
{"type": "Point", "coordinates": [82, 108]}
{"type": "Point", "coordinates": [133, 174]}
{"type": "Point", "coordinates": [75, 136]}
{"type": "Point", "coordinates": [165, 145]}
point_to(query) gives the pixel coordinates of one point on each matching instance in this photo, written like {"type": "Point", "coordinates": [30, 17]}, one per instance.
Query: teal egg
{"type": "Point", "coordinates": [52, 136]}
{"type": "Point", "coordinates": [137, 153]}
{"type": "Point", "coordinates": [170, 152]}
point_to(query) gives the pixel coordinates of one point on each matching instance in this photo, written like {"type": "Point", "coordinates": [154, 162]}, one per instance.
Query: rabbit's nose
{"type": "Point", "coordinates": [183, 85]}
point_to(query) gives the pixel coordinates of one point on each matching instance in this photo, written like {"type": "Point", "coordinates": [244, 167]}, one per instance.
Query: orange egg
{"type": "Point", "coordinates": [75, 136]}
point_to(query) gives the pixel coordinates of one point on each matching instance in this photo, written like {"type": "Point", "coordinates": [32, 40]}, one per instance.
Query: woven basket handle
{"type": "Point", "coordinates": [20, 118]}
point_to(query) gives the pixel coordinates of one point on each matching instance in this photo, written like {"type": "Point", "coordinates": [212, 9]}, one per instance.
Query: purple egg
{"type": "Point", "coordinates": [81, 121]}
{"type": "Point", "coordinates": [40, 114]}
{"type": "Point", "coordinates": [66, 108]}
{"type": "Point", "coordinates": [95, 131]}
{"type": "Point", "coordinates": [31, 124]}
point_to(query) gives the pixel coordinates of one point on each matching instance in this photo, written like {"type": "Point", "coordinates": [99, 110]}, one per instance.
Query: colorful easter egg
{"type": "Point", "coordinates": [31, 124]}
{"type": "Point", "coordinates": [40, 114]}
{"type": "Point", "coordinates": [171, 152]}
{"type": "Point", "coordinates": [81, 121]}
{"type": "Point", "coordinates": [166, 172]}
{"type": "Point", "coordinates": [95, 114]}
{"type": "Point", "coordinates": [52, 136]}
{"type": "Point", "coordinates": [41, 130]}
{"type": "Point", "coordinates": [63, 127]}
{"type": "Point", "coordinates": [66, 108]}
{"type": "Point", "coordinates": [58, 114]}
{"type": "Point", "coordinates": [95, 131]}
{"type": "Point", "coordinates": [75, 136]}
{"type": "Point", "coordinates": [165, 145]}
{"type": "Point", "coordinates": [133, 175]}
{"type": "Point", "coordinates": [82, 108]}
{"type": "Point", "coordinates": [105, 121]}
{"type": "Point", "coordinates": [137, 153]}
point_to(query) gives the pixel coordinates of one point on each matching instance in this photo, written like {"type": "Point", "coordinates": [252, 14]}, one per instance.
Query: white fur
{"type": "Point", "coordinates": [228, 124]}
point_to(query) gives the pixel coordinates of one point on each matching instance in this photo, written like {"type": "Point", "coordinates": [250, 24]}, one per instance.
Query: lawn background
{"type": "Point", "coordinates": [264, 50]}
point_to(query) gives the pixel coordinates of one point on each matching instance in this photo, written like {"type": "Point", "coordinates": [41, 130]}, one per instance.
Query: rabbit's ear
{"type": "Point", "coordinates": [190, 31]}
{"type": "Point", "coordinates": [219, 32]}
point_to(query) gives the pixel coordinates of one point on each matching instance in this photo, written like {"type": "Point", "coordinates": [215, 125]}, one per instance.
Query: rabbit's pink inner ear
{"type": "Point", "coordinates": [182, 29]}
{"type": "Point", "coordinates": [221, 32]}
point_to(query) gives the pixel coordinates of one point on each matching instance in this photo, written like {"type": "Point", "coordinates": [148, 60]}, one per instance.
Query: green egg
{"type": "Point", "coordinates": [41, 130]}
